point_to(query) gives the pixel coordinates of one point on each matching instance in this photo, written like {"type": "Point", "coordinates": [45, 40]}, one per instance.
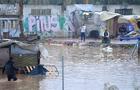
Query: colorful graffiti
{"type": "Point", "coordinates": [45, 23]}
{"type": "Point", "coordinates": [9, 28]}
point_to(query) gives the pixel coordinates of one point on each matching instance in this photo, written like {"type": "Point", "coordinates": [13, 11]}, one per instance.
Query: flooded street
{"type": "Point", "coordinates": [85, 68]}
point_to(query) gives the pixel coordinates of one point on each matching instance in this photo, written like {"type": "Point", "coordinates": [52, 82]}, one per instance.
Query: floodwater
{"type": "Point", "coordinates": [85, 68]}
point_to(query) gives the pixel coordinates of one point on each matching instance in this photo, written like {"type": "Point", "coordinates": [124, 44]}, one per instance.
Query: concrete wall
{"type": "Point", "coordinates": [111, 8]}
{"type": "Point", "coordinates": [93, 23]}
{"type": "Point", "coordinates": [9, 25]}
{"type": "Point", "coordinates": [9, 9]}
{"type": "Point", "coordinates": [56, 10]}
{"type": "Point", "coordinates": [47, 25]}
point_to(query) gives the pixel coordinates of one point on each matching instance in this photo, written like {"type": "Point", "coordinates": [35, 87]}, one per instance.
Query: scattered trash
{"type": "Point", "coordinates": [52, 71]}
{"type": "Point", "coordinates": [107, 49]}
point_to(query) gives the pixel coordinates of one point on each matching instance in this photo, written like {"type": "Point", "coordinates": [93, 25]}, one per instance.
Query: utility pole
{"type": "Point", "coordinates": [20, 17]}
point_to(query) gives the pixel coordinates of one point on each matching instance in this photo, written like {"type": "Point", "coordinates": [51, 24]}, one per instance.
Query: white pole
{"type": "Point", "coordinates": [62, 72]}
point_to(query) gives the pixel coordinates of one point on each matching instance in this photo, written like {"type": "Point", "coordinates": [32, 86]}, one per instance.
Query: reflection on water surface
{"type": "Point", "coordinates": [86, 68]}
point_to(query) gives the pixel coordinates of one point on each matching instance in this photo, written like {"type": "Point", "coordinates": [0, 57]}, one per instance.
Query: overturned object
{"type": "Point", "coordinates": [38, 70]}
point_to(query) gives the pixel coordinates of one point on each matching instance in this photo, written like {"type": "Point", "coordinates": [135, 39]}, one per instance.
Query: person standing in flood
{"type": "Point", "coordinates": [122, 30]}
{"type": "Point", "coordinates": [83, 33]}
{"type": "Point", "coordinates": [10, 70]}
{"type": "Point", "coordinates": [106, 39]}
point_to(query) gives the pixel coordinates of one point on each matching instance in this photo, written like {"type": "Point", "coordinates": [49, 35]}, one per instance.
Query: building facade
{"type": "Point", "coordinates": [51, 18]}
{"type": "Point", "coordinates": [9, 18]}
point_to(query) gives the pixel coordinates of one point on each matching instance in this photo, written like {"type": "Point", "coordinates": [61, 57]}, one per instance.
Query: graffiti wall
{"type": "Point", "coordinates": [9, 27]}
{"type": "Point", "coordinates": [39, 24]}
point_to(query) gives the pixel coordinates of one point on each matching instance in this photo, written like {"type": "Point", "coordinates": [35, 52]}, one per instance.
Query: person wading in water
{"type": "Point", "coordinates": [10, 70]}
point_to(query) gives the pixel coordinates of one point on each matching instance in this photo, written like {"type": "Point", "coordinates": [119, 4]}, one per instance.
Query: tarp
{"type": "Point", "coordinates": [105, 15]}
{"type": "Point", "coordinates": [128, 18]}
{"type": "Point", "coordinates": [7, 42]}
{"type": "Point", "coordinates": [43, 53]}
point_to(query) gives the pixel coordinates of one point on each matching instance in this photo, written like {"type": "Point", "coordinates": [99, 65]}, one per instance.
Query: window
{"type": "Point", "coordinates": [79, 1]}
{"type": "Point", "coordinates": [41, 12]}
{"type": "Point", "coordinates": [124, 11]}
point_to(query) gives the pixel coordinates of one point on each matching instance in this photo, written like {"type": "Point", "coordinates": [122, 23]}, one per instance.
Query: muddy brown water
{"type": "Point", "coordinates": [86, 68]}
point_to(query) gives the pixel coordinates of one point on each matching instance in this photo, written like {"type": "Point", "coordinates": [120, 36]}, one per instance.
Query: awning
{"type": "Point", "coordinates": [105, 15]}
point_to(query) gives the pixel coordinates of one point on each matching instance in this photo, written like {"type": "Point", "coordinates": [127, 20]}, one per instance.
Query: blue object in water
{"type": "Point", "coordinates": [129, 38]}
{"type": "Point", "coordinates": [38, 70]}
